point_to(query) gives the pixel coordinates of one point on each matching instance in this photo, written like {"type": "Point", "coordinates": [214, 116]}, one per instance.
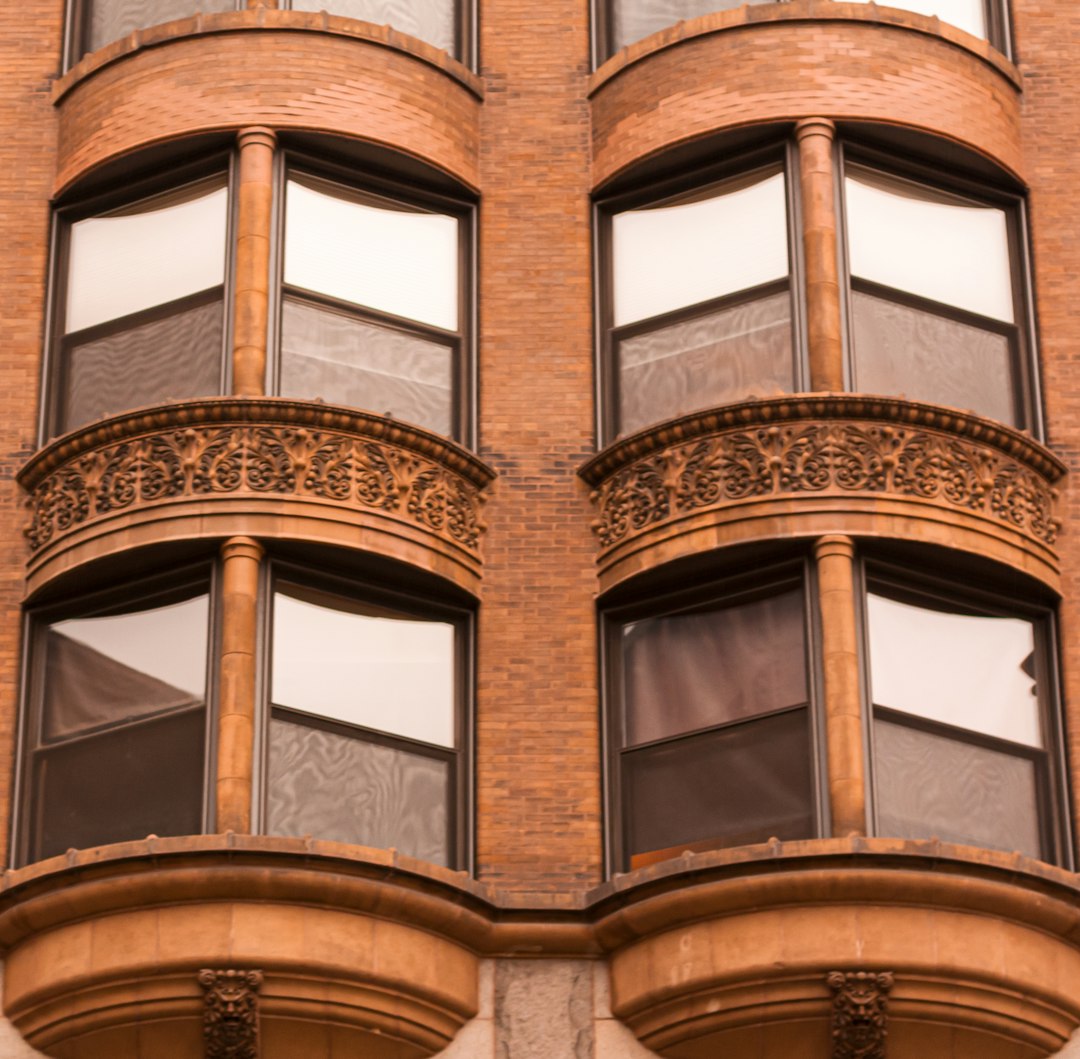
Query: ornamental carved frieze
{"type": "Point", "coordinates": [832, 456]}
{"type": "Point", "coordinates": [211, 459]}
{"type": "Point", "coordinates": [859, 1013]}
{"type": "Point", "coordinates": [231, 1013]}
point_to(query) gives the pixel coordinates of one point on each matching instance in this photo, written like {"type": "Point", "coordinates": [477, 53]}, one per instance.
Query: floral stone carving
{"type": "Point", "coordinates": [231, 1013]}
{"type": "Point", "coordinates": [859, 1015]}
{"type": "Point", "coordinates": [345, 466]}
{"type": "Point", "coordinates": [834, 456]}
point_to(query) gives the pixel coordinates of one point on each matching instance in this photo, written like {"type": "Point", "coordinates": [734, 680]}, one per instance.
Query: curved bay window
{"type": "Point", "coordinates": [622, 22]}
{"type": "Point", "coordinates": [95, 23]}
{"type": "Point", "coordinates": [712, 731]}
{"type": "Point", "coordinates": [372, 309]}
{"type": "Point", "coordinates": [699, 311]}
{"type": "Point", "coordinates": [362, 730]}
{"type": "Point", "coordinates": [711, 721]}
{"type": "Point", "coordinates": [963, 729]}
{"type": "Point", "coordinates": [936, 299]}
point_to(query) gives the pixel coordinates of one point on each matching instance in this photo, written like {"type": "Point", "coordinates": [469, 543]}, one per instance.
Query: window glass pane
{"type": "Point", "coordinates": [154, 252]}
{"type": "Point", "coordinates": [172, 358]}
{"type": "Point", "coordinates": [347, 790]}
{"type": "Point", "coordinates": [926, 357]}
{"type": "Point", "coordinates": [926, 242]}
{"type": "Point", "coordinates": [634, 19]}
{"type": "Point", "coordinates": [374, 252]}
{"type": "Point", "coordinates": [105, 670]}
{"type": "Point", "coordinates": [928, 785]}
{"type": "Point", "coordinates": [715, 359]}
{"type": "Point", "coordinates": [972, 671]}
{"type": "Point", "coordinates": [112, 19]}
{"type": "Point", "coordinates": [365, 665]}
{"type": "Point", "coordinates": [349, 361]}
{"type": "Point", "coordinates": [124, 784]}
{"type": "Point", "coordinates": [701, 246]}
{"type": "Point", "coordinates": [430, 20]}
{"type": "Point", "coordinates": [968, 15]}
{"type": "Point", "coordinates": [734, 786]}
{"type": "Point", "coordinates": [688, 671]}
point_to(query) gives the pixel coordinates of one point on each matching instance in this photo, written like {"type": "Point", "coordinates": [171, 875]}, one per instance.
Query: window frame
{"type": "Point", "coordinates": [459, 758]}
{"type": "Point", "coordinates": [779, 154]}
{"type": "Point", "coordinates": [1021, 334]}
{"type": "Point", "coordinates": [463, 366]}
{"type": "Point", "coordinates": [30, 743]}
{"type": "Point", "coordinates": [918, 588]}
{"type": "Point", "coordinates": [767, 580]}
{"type": "Point", "coordinates": [55, 362]}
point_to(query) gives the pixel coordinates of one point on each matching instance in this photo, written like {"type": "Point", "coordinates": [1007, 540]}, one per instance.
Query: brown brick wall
{"type": "Point", "coordinates": [789, 69]}
{"type": "Point", "coordinates": [1048, 47]}
{"type": "Point", "coordinates": [285, 79]}
{"type": "Point", "coordinates": [29, 55]}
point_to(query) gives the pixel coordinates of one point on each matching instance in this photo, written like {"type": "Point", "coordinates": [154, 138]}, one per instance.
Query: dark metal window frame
{"type": "Point", "coordinates": [1027, 398]}
{"type": "Point", "coordinates": [460, 342]}
{"type": "Point", "coordinates": [780, 157]}
{"type": "Point", "coordinates": [280, 572]}
{"type": "Point", "coordinates": [160, 590]}
{"type": "Point", "coordinates": [936, 592]}
{"type": "Point", "coordinates": [768, 580]}
{"type": "Point", "coordinates": [59, 342]}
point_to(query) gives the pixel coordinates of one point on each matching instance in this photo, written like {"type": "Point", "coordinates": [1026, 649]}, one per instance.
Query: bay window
{"type": "Point", "coordinates": [370, 307]}
{"type": "Point", "coordinates": [361, 733]}
{"type": "Point", "coordinates": [700, 307]}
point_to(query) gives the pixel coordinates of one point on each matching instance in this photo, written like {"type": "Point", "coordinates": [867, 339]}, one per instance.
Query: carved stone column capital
{"type": "Point", "coordinates": [859, 1015]}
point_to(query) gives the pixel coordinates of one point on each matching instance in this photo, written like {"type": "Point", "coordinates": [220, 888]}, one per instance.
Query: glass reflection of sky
{"type": "Point", "coordinates": [394, 674]}
{"type": "Point", "coordinates": [972, 671]}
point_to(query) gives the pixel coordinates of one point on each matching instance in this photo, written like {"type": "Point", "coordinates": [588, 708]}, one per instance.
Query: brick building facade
{"type": "Point", "coordinates": [539, 530]}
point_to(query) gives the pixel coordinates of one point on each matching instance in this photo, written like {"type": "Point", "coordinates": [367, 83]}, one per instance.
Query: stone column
{"type": "Point", "coordinates": [255, 189]}
{"type": "Point", "coordinates": [835, 557]}
{"type": "Point", "coordinates": [817, 180]}
{"type": "Point", "coordinates": [241, 557]}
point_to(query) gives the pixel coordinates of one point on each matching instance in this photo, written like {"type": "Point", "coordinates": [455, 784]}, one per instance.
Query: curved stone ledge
{"type": "Point", "coordinates": [264, 466]}
{"type": "Point", "coordinates": [101, 943]}
{"type": "Point", "coordinates": [805, 465]}
{"type": "Point", "coordinates": [827, 59]}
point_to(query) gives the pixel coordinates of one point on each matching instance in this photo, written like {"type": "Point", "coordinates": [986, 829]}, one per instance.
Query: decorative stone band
{"type": "Point", "coordinates": [839, 446]}
{"type": "Point", "coordinates": [256, 449]}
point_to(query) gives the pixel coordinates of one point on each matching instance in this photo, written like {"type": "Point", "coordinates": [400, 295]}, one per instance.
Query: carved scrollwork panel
{"type": "Point", "coordinates": [231, 1013]}
{"type": "Point", "coordinates": [274, 460]}
{"type": "Point", "coordinates": [859, 1013]}
{"type": "Point", "coordinates": [824, 457]}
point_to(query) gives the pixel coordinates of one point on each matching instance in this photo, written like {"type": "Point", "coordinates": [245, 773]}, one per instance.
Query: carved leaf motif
{"type": "Point", "coordinates": [215, 458]}
{"type": "Point", "coordinates": [635, 498]}
{"type": "Point", "coordinates": [376, 484]}
{"type": "Point", "coordinates": [330, 468]}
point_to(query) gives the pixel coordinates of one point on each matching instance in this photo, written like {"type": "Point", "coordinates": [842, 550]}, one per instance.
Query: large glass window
{"type": "Point", "coordinates": [117, 722]}
{"type": "Point", "coordinates": [961, 731]}
{"type": "Point", "coordinates": [363, 729]}
{"type": "Point", "coordinates": [371, 312]}
{"type": "Point", "coordinates": [624, 21]}
{"type": "Point", "coordinates": [373, 308]}
{"type": "Point", "coordinates": [439, 22]}
{"type": "Point", "coordinates": [934, 297]}
{"type": "Point", "coordinates": [711, 706]}
{"type": "Point", "coordinates": [142, 303]}
{"type": "Point", "coordinates": [700, 311]}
